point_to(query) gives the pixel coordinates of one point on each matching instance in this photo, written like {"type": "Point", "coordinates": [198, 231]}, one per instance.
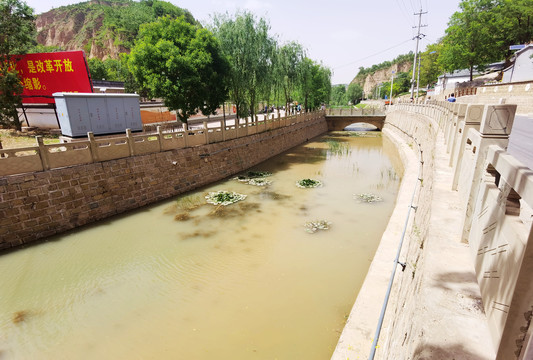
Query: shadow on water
{"type": "Point", "coordinates": [67, 234]}
{"type": "Point", "coordinates": [313, 151]}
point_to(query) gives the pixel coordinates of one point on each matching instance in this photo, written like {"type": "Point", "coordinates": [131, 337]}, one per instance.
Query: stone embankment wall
{"type": "Point", "coordinates": [519, 94]}
{"type": "Point", "coordinates": [409, 132]}
{"type": "Point", "coordinates": [466, 291]}
{"type": "Point", "coordinates": [39, 204]}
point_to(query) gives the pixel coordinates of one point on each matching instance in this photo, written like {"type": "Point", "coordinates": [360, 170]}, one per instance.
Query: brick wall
{"type": "Point", "coordinates": [34, 206]}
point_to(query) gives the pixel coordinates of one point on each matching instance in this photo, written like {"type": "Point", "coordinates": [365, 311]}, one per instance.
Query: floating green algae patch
{"type": "Point", "coordinates": [308, 183]}
{"type": "Point", "coordinates": [224, 198]}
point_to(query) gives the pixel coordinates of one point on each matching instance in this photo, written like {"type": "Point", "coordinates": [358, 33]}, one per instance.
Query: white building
{"type": "Point", "coordinates": [448, 80]}
{"type": "Point", "coordinates": [522, 67]}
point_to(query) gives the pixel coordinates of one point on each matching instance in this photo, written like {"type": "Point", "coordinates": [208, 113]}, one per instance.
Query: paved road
{"type": "Point", "coordinates": [521, 140]}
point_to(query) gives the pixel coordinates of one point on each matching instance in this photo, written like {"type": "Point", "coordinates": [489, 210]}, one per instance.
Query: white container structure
{"type": "Point", "coordinates": [101, 114]}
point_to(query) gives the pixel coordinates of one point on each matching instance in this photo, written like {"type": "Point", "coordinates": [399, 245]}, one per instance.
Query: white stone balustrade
{"type": "Point", "coordinates": [44, 157]}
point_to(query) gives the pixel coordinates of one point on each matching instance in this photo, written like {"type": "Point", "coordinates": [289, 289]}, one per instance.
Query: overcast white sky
{"type": "Point", "coordinates": [343, 35]}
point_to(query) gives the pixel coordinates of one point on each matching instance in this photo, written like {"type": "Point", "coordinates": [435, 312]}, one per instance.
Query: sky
{"type": "Point", "coordinates": [342, 35]}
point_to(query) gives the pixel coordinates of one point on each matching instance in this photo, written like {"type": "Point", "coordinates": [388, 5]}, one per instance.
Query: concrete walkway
{"type": "Point", "coordinates": [452, 318]}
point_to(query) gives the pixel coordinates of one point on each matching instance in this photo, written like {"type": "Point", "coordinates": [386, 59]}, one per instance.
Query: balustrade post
{"type": "Point", "coordinates": [186, 134]}
{"type": "Point", "coordinates": [472, 120]}
{"type": "Point", "coordinates": [130, 141]}
{"type": "Point", "coordinates": [43, 153]}
{"type": "Point", "coordinates": [93, 146]}
{"type": "Point", "coordinates": [495, 128]}
{"type": "Point", "coordinates": [160, 137]}
{"type": "Point", "coordinates": [206, 133]}
{"type": "Point", "coordinates": [449, 122]}
{"type": "Point", "coordinates": [458, 121]}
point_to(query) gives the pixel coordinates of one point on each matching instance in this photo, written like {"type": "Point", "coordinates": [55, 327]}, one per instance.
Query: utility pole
{"type": "Point", "coordinates": [418, 37]}
{"type": "Point", "coordinates": [418, 77]}
{"type": "Point", "coordinates": [391, 85]}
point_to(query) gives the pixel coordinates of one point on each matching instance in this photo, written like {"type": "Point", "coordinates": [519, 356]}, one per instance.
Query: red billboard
{"type": "Point", "coordinates": [46, 73]}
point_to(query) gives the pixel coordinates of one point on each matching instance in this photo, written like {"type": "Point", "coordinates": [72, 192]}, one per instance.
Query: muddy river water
{"type": "Point", "coordinates": [184, 279]}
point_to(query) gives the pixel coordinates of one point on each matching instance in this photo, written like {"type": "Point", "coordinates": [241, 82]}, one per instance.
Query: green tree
{"type": "Point", "coordinates": [338, 95]}
{"type": "Point", "coordinates": [97, 69]}
{"type": "Point", "coordinates": [321, 86]}
{"type": "Point", "coordinates": [16, 37]}
{"type": "Point", "coordinates": [289, 58]}
{"type": "Point", "coordinates": [471, 39]}
{"type": "Point", "coordinates": [305, 70]}
{"type": "Point", "coordinates": [250, 49]}
{"type": "Point", "coordinates": [182, 64]}
{"type": "Point", "coordinates": [430, 69]}
{"type": "Point", "coordinates": [402, 84]}
{"type": "Point", "coordinates": [515, 20]}
{"type": "Point", "coordinates": [354, 94]}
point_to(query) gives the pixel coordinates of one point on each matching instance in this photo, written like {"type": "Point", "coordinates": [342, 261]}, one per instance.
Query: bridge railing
{"type": "Point", "coordinates": [354, 112]}
{"type": "Point", "coordinates": [497, 201]}
{"type": "Point", "coordinates": [44, 157]}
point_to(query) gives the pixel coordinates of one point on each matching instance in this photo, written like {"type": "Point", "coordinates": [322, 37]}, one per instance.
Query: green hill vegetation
{"type": "Point", "coordinates": [400, 59]}
{"type": "Point", "coordinates": [118, 20]}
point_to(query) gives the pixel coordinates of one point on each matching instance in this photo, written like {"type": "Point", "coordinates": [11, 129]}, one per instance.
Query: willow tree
{"type": "Point", "coordinates": [288, 69]}
{"type": "Point", "coordinates": [16, 37]}
{"type": "Point", "coordinates": [314, 83]}
{"type": "Point", "coordinates": [181, 63]}
{"type": "Point", "coordinates": [249, 47]}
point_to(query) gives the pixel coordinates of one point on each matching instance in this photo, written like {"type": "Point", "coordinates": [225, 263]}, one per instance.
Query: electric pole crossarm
{"type": "Point", "coordinates": [418, 37]}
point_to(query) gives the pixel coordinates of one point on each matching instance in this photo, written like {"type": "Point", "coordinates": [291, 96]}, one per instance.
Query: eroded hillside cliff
{"type": "Point", "coordinates": [383, 75]}
{"type": "Point", "coordinates": [79, 28]}
{"type": "Point", "coordinates": [102, 28]}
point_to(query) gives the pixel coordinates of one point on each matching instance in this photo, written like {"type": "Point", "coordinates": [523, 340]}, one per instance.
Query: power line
{"type": "Point", "coordinates": [369, 56]}
{"type": "Point", "coordinates": [403, 11]}
{"type": "Point", "coordinates": [406, 9]}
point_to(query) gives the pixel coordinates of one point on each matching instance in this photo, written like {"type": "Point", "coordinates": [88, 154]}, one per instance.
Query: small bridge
{"type": "Point", "coordinates": [339, 122]}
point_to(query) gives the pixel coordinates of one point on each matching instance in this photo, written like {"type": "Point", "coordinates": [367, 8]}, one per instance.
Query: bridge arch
{"type": "Point", "coordinates": [361, 126]}
{"type": "Point", "coordinates": [338, 123]}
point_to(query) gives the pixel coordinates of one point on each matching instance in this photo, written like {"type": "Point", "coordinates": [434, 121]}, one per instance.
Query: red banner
{"type": "Point", "coordinates": [46, 73]}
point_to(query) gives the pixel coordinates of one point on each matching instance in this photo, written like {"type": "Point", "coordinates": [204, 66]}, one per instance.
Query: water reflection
{"type": "Point", "coordinates": [184, 279]}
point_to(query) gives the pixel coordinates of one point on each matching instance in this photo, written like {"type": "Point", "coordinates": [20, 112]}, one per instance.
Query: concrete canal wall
{"type": "Point", "coordinates": [43, 203]}
{"type": "Point", "coordinates": [466, 291]}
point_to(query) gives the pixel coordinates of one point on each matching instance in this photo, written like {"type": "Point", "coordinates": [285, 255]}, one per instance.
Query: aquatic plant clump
{"type": "Point", "coordinates": [313, 226]}
{"type": "Point", "coordinates": [308, 183]}
{"type": "Point", "coordinates": [338, 148]}
{"type": "Point", "coordinates": [258, 174]}
{"type": "Point", "coordinates": [224, 197]}
{"type": "Point", "coordinates": [259, 182]}
{"type": "Point", "coordinates": [252, 175]}
{"type": "Point", "coordinates": [368, 198]}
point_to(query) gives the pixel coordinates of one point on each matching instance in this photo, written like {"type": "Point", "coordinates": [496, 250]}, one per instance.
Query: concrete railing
{"type": "Point", "coordinates": [45, 157]}
{"type": "Point", "coordinates": [354, 112]}
{"type": "Point", "coordinates": [519, 94]}
{"type": "Point", "coordinates": [497, 201]}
